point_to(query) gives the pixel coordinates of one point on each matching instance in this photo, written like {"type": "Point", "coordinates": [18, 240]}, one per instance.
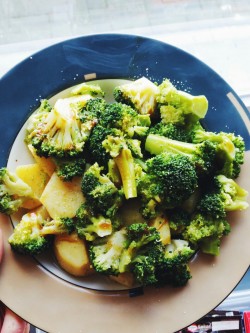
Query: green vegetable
{"type": "Point", "coordinates": [13, 191]}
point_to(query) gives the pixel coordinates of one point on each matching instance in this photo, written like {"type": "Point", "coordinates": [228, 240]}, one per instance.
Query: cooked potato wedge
{"type": "Point", "coordinates": [62, 199]}
{"type": "Point", "coordinates": [72, 255]}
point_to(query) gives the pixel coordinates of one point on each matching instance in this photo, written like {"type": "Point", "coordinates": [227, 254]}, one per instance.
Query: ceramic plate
{"type": "Point", "coordinates": [35, 288]}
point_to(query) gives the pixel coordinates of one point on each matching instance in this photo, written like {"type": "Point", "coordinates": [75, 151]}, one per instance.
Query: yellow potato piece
{"type": "Point", "coordinates": [62, 199]}
{"type": "Point", "coordinates": [34, 176]}
{"type": "Point", "coordinates": [46, 164]}
{"type": "Point", "coordinates": [72, 255]}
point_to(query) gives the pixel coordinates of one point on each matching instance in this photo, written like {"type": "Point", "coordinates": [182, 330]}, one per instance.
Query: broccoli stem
{"type": "Point", "coordinates": [125, 164]}
{"type": "Point", "coordinates": [157, 144]}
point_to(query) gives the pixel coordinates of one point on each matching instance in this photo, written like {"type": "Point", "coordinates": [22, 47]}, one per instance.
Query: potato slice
{"type": "Point", "coordinates": [34, 176]}
{"type": "Point", "coordinates": [62, 199]}
{"type": "Point", "coordinates": [161, 224]}
{"type": "Point", "coordinates": [46, 164]}
{"type": "Point", "coordinates": [72, 255]}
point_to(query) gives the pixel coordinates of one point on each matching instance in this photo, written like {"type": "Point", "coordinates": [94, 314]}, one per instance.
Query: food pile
{"type": "Point", "coordinates": [130, 189]}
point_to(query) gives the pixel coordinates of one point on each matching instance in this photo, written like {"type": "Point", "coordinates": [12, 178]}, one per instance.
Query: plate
{"type": "Point", "coordinates": [54, 304]}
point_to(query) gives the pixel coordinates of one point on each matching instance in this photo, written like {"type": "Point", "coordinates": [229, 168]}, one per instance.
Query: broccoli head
{"type": "Point", "coordinates": [179, 107]}
{"type": "Point", "coordinates": [92, 89]}
{"type": "Point", "coordinates": [68, 168]}
{"type": "Point", "coordinates": [201, 154]}
{"type": "Point", "coordinates": [92, 110]}
{"type": "Point", "coordinates": [90, 227]}
{"type": "Point", "coordinates": [169, 180]}
{"type": "Point", "coordinates": [96, 150]}
{"type": "Point", "coordinates": [105, 254]}
{"type": "Point", "coordinates": [174, 268]}
{"type": "Point", "coordinates": [63, 225]}
{"type": "Point", "coordinates": [126, 119]}
{"type": "Point", "coordinates": [123, 158]}
{"type": "Point", "coordinates": [139, 94]}
{"type": "Point", "coordinates": [230, 150]}
{"type": "Point", "coordinates": [178, 219]}
{"type": "Point", "coordinates": [205, 232]}
{"type": "Point", "coordinates": [60, 132]}
{"type": "Point", "coordinates": [102, 196]}
{"type": "Point", "coordinates": [27, 237]}
{"type": "Point", "coordinates": [13, 191]}
{"type": "Point", "coordinates": [225, 195]}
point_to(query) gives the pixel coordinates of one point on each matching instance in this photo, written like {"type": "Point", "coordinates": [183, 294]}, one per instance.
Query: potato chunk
{"type": "Point", "coordinates": [62, 199]}
{"type": "Point", "coordinates": [34, 176]}
{"type": "Point", "coordinates": [72, 255]}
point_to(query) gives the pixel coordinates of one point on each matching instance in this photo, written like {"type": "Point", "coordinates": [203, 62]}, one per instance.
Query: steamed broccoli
{"type": "Point", "coordinates": [225, 195]}
{"type": "Point", "coordinates": [27, 237]}
{"type": "Point", "coordinates": [178, 219]}
{"type": "Point", "coordinates": [63, 225]}
{"type": "Point", "coordinates": [139, 94]}
{"type": "Point", "coordinates": [106, 253]}
{"type": "Point", "coordinates": [95, 148]}
{"type": "Point", "coordinates": [201, 154]}
{"type": "Point", "coordinates": [102, 196]}
{"type": "Point", "coordinates": [60, 132]}
{"type": "Point", "coordinates": [179, 107]}
{"type": "Point", "coordinates": [92, 110]}
{"type": "Point", "coordinates": [68, 168]}
{"type": "Point", "coordinates": [92, 89]}
{"type": "Point", "coordinates": [119, 151]}
{"type": "Point", "coordinates": [174, 268]}
{"type": "Point", "coordinates": [89, 226]}
{"type": "Point", "coordinates": [169, 180]}
{"type": "Point", "coordinates": [230, 150]}
{"type": "Point", "coordinates": [13, 191]}
{"type": "Point", "coordinates": [126, 119]}
{"type": "Point", "coordinates": [175, 131]}
{"type": "Point", "coordinates": [205, 232]}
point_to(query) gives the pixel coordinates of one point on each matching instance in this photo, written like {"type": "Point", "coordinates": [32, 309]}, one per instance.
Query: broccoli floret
{"type": "Point", "coordinates": [139, 94]}
{"type": "Point", "coordinates": [13, 191]}
{"type": "Point", "coordinates": [68, 168]}
{"type": "Point", "coordinates": [129, 249]}
{"type": "Point", "coordinates": [102, 196]}
{"type": "Point", "coordinates": [92, 110]}
{"type": "Point", "coordinates": [169, 180]}
{"type": "Point", "coordinates": [230, 150]}
{"type": "Point", "coordinates": [178, 221]}
{"type": "Point", "coordinates": [95, 148]}
{"type": "Point", "coordinates": [202, 154]}
{"type": "Point", "coordinates": [27, 237]}
{"type": "Point", "coordinates": [92, 89]}
{"type": "Point", "coordinates": [60, 132]}
{"type": "Point", "coordinates": [179, 107]}
{"type": "Point", "coordinates": [174, 268]}
{"type": "Point", "coordinates": [205, 232]}
{"type": "Point", "coordinates": [225, 195]}
{"type": "Point", "coordinates": [89, 226]}
{"type": "Point", "coordinates": [119, 151]}
{"type": "Point", "coordinates": [126, 119]}
{"type": "Point", "coordinates": [63, 225]}
{"type": "Point", "coordinates": [106, 253]}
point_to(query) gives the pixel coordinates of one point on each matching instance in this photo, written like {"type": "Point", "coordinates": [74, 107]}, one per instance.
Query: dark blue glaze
{"type": "Point", "coordinates": [110, 56]}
